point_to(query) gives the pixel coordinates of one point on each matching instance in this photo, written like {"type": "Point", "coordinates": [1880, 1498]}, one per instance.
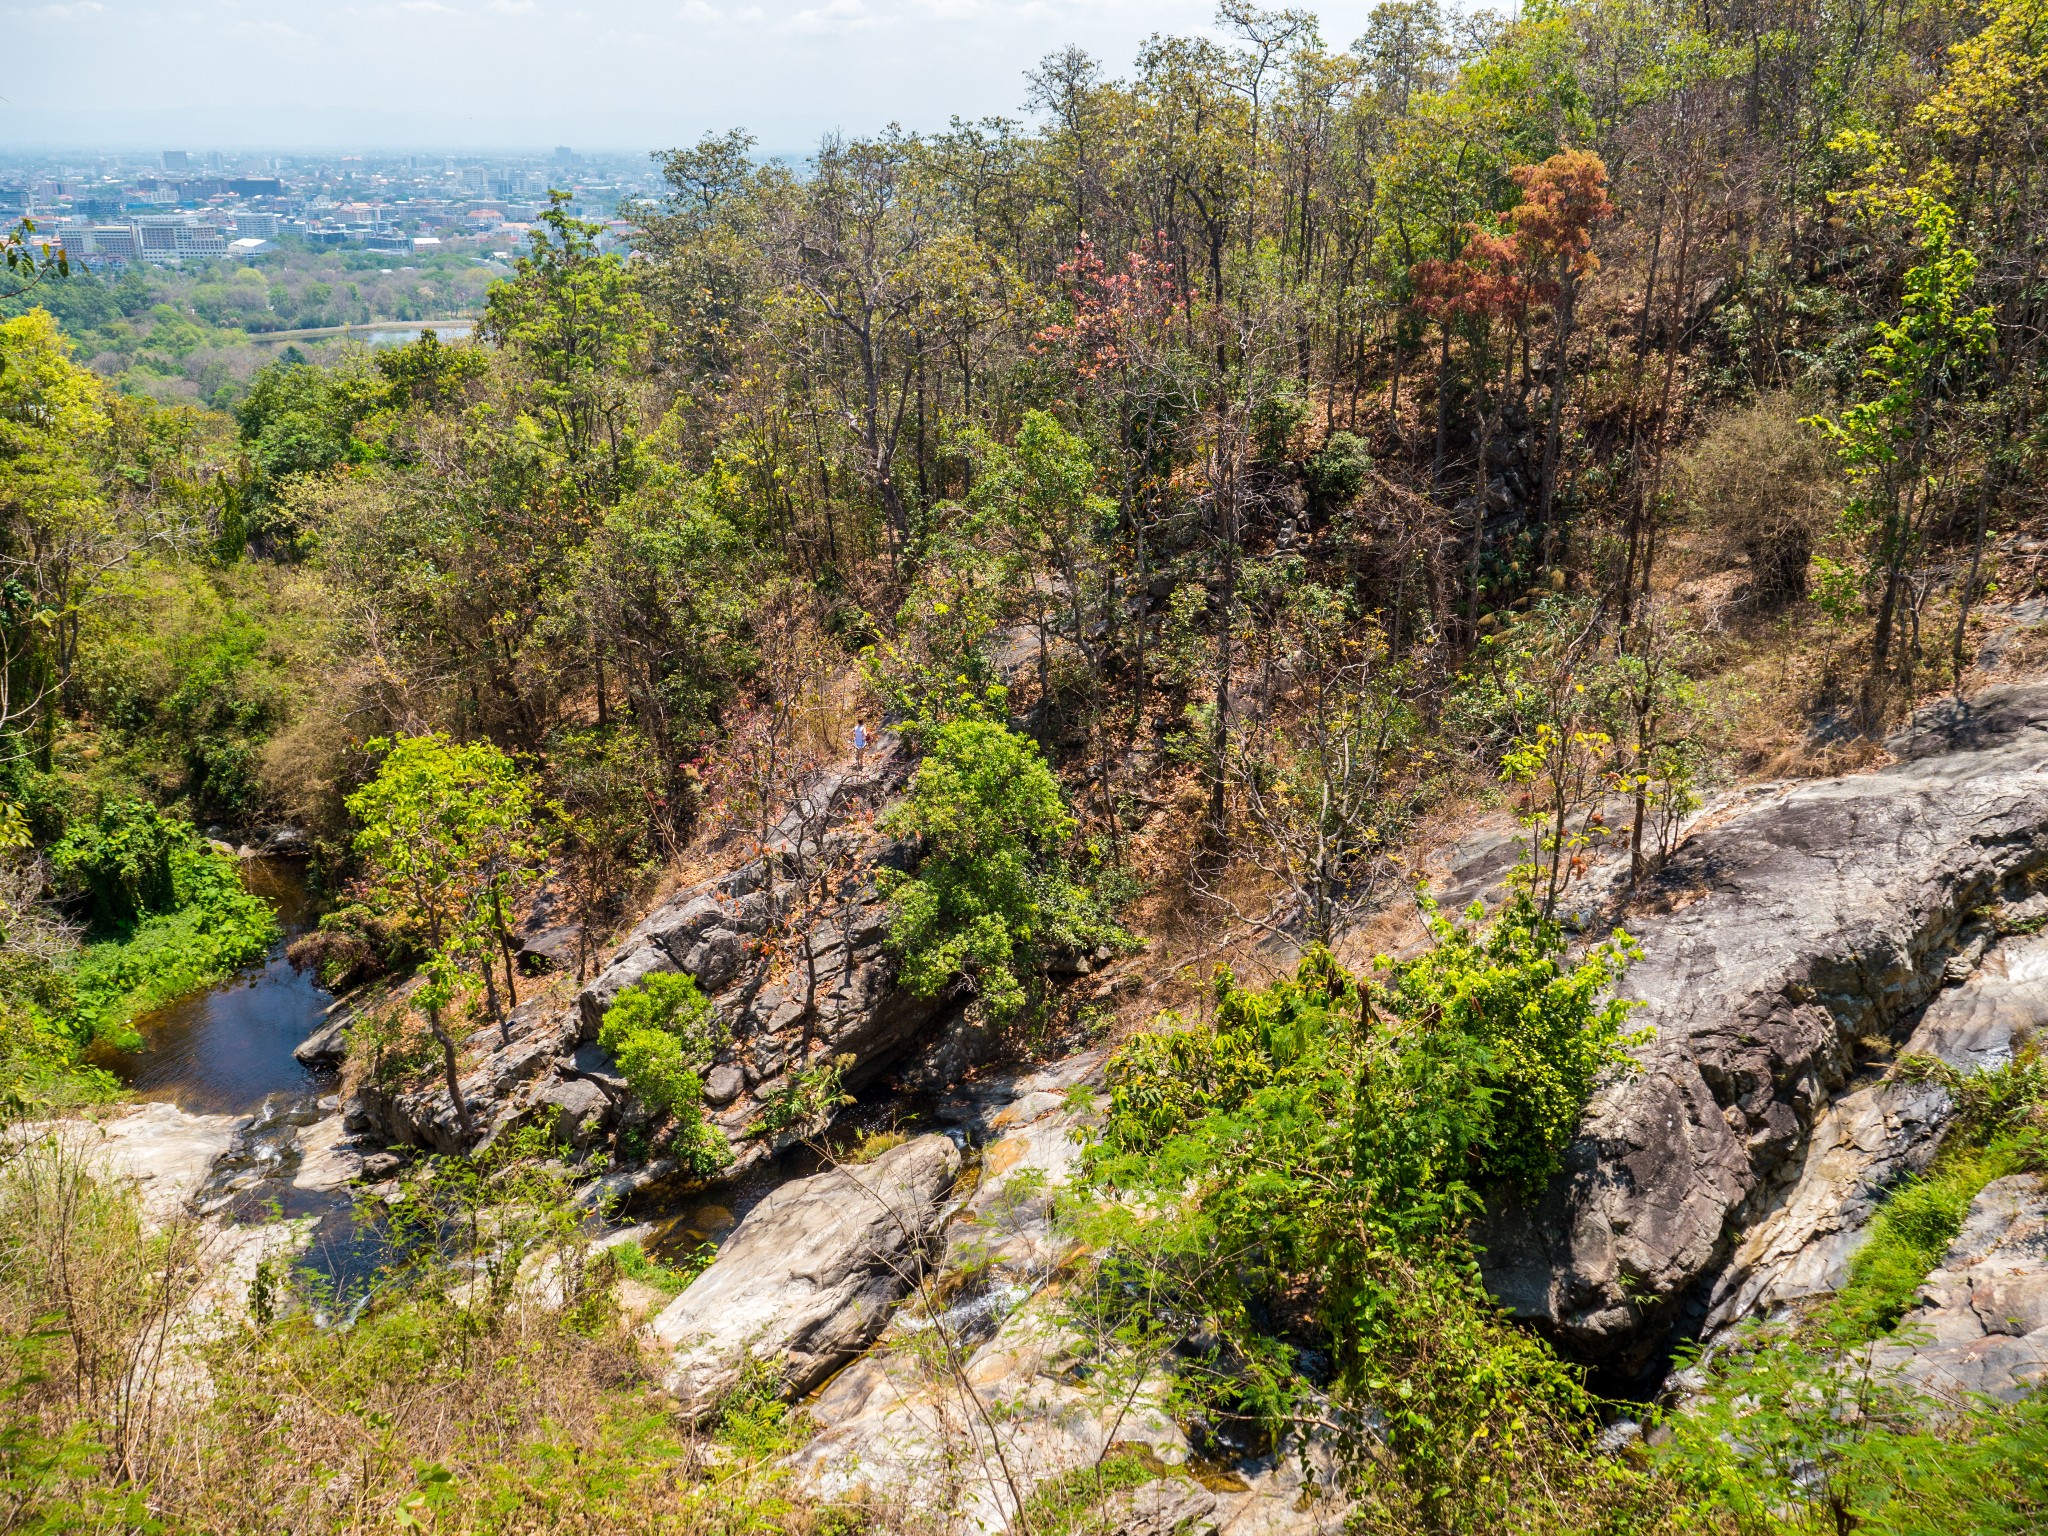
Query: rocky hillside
{"type": "Point", "coordinates": [1791, 950]}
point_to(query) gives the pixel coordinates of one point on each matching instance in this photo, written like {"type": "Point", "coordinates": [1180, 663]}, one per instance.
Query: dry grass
{"type": "Point", "coordinates": [143, 1382]}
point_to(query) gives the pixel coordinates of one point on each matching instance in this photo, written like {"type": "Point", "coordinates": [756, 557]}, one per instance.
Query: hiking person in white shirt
{"type": "Point", "coordinates": [860, 743]}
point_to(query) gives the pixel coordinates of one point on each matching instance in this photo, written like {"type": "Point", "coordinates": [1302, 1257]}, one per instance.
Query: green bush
{"type": "Point", "coordinates": [1287, 1183]}
{"type": "Point", "coordinates": [1337, 471]}
{"type": "Point", "coordinates": [662, 1033]}
{"type": "Point", "coordinates": [807, 1101]}
{"type": "Point", "coordinates": [121, 861]}
{"type": "Point", "coordinates": [670, 1003]}
{"type": "Point", "coordinates": [174, 915]}
{"type": "Point", "coordinates": [216, 926]}
{"type": "Point", "coordinates": [994, 897]}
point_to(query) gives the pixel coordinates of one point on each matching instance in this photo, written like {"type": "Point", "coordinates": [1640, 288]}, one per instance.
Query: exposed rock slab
{"type": "Point", "coordinates": [1820, 916]}
{"type": "Point", "coordinates": [327, 1161]}
{"type": "Point", "coordinates": [326, 1046]}
{"type": "Point", "coordinates": [168, 1153]}
{"type": "Point", "coordinates": [510, 1074]}
{"type": "Point", "coordinates": [900, 1424]}
{"type": "Point", "coordinates": [1166, 1506]}
{"type": "Point", "coordinates": [969, 1411]}
{"type": "Point", "coordinates": [1030, 1127]}
{"type": "Point", "coordinates": [1869, 1139]}
{"type": "Point", "coordinates": [1982, 1326]}
{"type": "Point", "coordinates": [810, 1277]}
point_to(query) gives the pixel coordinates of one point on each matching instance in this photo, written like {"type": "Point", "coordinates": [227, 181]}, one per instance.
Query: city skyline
{"type": "Point", "coordinates": [111, 211]}
{"type": "Point", "coordinates": [508, 76]}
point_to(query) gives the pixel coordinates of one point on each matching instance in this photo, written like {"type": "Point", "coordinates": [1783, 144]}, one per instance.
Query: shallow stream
{"type": "Point", "coordinates": [228, 1051]}
{"type": "Point", "coordinates": [225, 1050]}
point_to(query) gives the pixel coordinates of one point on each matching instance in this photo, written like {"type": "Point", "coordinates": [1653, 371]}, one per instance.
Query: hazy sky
{"type": "Point", "coordinates": [604, 74]}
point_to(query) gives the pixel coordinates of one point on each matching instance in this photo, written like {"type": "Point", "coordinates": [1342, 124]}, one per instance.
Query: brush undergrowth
{"type": "Point", "coordinates": [490, 1385]}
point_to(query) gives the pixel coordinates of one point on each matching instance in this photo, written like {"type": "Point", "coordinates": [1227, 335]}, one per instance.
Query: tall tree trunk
{"type": "Point", "coordinates": [1443, 405]}
{"type": "Point", "coordinates": [1553, 434]}
{"type": "Point", "coordinates": [448, 1072]}
{"type": "Point", "coordinates": [1217, 810]}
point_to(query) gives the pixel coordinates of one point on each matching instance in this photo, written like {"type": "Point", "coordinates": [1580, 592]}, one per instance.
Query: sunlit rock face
{"type": "Point", "coordinates": [790, 945]}
{"type": "Point", "coordinates": [810, 1277]}
{"type": "Point", "coordinates": [1782, 946]}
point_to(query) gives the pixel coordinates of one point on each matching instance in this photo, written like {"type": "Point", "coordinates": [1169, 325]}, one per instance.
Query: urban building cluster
{"type": "Point", "coordinates": [177, 206]}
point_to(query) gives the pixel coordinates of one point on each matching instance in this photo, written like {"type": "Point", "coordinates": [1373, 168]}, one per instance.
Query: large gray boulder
{"type": "Point", "coordinates": [810, 1277]}
{"type": "Point", "coordinates": [1027, 1406]}
{"type": "Point", "coordinates": [1787, 934]}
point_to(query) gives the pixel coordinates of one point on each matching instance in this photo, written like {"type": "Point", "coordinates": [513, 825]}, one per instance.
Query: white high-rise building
{"type": "Point", "coordinates": [200, 241]}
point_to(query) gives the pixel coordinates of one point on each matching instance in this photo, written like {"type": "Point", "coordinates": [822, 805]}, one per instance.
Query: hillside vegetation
{"type": "Point", "coordinates": [1227, 482]}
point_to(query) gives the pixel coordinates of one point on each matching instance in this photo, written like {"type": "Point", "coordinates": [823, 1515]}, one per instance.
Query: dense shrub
{"type": "Point", "coordinates": [454, 1399]}
{"type": "Point", "coordinates": [215, 924]}
{"type": "Point", "coordinates": [1337, 472]}
{"type": "Point", "coordinates": [1761, 479]}
{"type": "Point", "coordinates": [662, 1033]}
{"type": "Point", "coordinates": [995, 896]}
{"type": "Point", "coordinates": [1290, 1180]}
{"type": "Point", "coordinates": [351, 944]}
{"type": "Point", "coordinates": [120, 861]}
{"type": "Point", "coordinates": [172, 913]}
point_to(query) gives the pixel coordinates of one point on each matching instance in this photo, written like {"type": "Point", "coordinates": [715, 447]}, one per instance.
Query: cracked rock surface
{"type": "Point", "coordinates": [796, 968]}
{"type": "Point", "coordinates": [810, 1277]}
{"type": "Point", "coordinates": [1819, 916]}
{"type": "Point", "coordinates": [1878, 1134]}
{"type": "Point", "coordinates": [1982, 1326]}
{"type": "Point", "coordinates": [900, 1426]}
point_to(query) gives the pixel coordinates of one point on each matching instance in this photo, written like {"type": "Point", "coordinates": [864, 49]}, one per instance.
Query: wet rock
{"type": "Point", "coordinates": [327, 1046]}
{"type": "Point", "coordinates": [963, 1045]}
{"type": "Point", "coordinates": [1032, 1136]}
{"type": "Point", "coordinates": [282, 842]}
{"type": "Point", "coordinates": [1982, 1326]}
{"type": "Point", "coordinates": [810, 1277]}
{"type": "Point", "coordinates": [612, 1192]}
{"type": "Point", "coordinates": [326, 1160]}
{"type": "Point", "coordinates": [1821, 915]}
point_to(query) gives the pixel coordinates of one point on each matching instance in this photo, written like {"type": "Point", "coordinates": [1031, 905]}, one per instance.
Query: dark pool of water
{"type": "Point", "coordinates": [225, 1050]}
